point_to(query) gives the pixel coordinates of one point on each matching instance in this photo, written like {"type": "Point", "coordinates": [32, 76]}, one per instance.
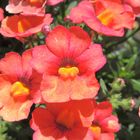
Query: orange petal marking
{"type": "Point", "coordinates": [96, 131]}
{"type": "Point", "coordinates": [66, 119]}
{"type": "Point", "coordinates": [106, 17]}
{"type": "Point", "coordinates": [23, 25]}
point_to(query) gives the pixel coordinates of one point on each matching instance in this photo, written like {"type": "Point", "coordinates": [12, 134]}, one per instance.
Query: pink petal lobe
{"type": "Point", "coordinates": [11, 64]}
{"type": "Point", "coordinates": [5, 87]}
{"type": "Point", "coordinates": [91, 60]}
{"type": "Point", "coordinates": [107, 136]}
{"type": "Point", "coordinates": [104, 109]}
{"type": "Point", "coordinates": [26, 60]}
{"type": "Point", "coordinates": [58, 41]}
{"type": "Point", "coordinates": [79, 41]}
{"type": "Point", "coordinates": [44, 61]}
{"type": "Point", "coordinates": [55, 89]}
{"type": "Point", "coordinates": [15, 111]}
{"type": "Point", "coordinates": [83, 8]}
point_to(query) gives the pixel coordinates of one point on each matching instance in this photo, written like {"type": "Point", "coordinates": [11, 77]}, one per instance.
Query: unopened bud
{"type": "Point", "coordinates": [46, 29]}
{"type": "Point", "coordinates": [118, 84]}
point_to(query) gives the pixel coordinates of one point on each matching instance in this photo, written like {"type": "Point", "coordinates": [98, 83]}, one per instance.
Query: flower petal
{"type": "Point", "coordinates": [58, 41]}
{"type": "Point", "coordinates": [15, 111]}
{"type": "Point", "coordinates": [107, 136]}
{"type": "Point", "coordinates": [44, 61]}
{"type": "Point", "coordinates": [79, 41]}
{"type": "Point", "coordinates": [26, 60]}
{"type": "Point", "coordinates": [11, 65]}
{"type": "Point", "coordinates": [91, 60]}
{"type": "Point", "coordinates": [104, 110]}
{"type": "Point", "coordinates": [5, 87]}
{"type": "Point", "coordinates": [55, 89]}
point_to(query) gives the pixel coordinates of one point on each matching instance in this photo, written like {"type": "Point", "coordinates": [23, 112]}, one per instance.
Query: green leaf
{"type": "Point", "coordinates": [71, 5]}
{"type": "Point", "coordinates": [103, 87]}
{"type": "Point", "coordinates": [135, 84]}
{"type": "Point", "coordinates": [131, 62]}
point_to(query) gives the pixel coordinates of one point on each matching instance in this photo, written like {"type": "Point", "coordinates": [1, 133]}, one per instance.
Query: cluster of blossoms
{"type": "Point", "coordinates": [61, 74]}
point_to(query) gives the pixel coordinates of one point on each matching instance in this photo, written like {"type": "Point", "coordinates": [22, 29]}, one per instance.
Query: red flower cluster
{"type": "Point", "coordinates": [52, 74]}
{"type": "Point", "coordinates": [61, 74]}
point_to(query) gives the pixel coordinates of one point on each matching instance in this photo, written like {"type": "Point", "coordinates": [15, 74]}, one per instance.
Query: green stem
{"type": "Point", "coordinates": [123, 39]}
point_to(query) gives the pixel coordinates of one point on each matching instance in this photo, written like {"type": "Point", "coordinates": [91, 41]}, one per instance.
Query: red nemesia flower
{"type": "Point", "coordinates": [63, 121]}
{"type": "Point", "coordinates": [23, 26]}
{"type": "Point", "coordinates": [54, 2]}
{"type": "Point", "coordinates": [104, 124]}
{"type": "Point", "coordinates": [1, 14]}
{"type": "Point", "coordinates": [104, 16]}
{"type": "Point", "coordinates": [28, 7]}
{"type": "Point", "coordinates": [135, 4]}
{"type": "Point", "coordinates": [69, 63]}
{"type": "Point", "coordinates": [19, 86]}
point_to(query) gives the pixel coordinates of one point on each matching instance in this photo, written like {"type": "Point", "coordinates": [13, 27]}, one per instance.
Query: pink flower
{"type": "Point", "coordinates": [19, 86]}
{"type": "Point", "coordinates": [20, 26]}
{"type": "Point", "coordinates": [28, 7]}
{"type": "Point", "coordinates": [63, 121]}
{"type": "Point", "coordinates": [104, 124]}
{"type": "Point", "coordinates": [104, 16]}
{"type": "Point", "coordinates": [69, 62]}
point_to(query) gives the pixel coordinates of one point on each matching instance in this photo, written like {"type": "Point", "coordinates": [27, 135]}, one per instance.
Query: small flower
{"type": "Point", "coordinates": [69, 62]}
{"type": "Point", "coordinates": [23, 26]}
{"type": "Point", "coordinates": [63, 121]}
{"type": "Point", "coordinates": [19, 86]}
{"type": "Point", "coordinates": [46, 29]}
{"type": "Point", "coordinates": [104, 16]}
{"type": "Point", "coordinates": [104, 124]}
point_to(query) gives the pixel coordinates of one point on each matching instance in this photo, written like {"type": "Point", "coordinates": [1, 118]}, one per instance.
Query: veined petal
{"type": "Point", "coordinates": [91, 60]}
{"type": "Point", "coordinates": [5, 87]}
{"type": "Point", "coordinates": [104, 110]}
{"type": "Point", "coordinates": [15, 111]}
{"type": "Point", "coordinates": [26, 63]}
{"type": "Point", "coordinates": [58, 41]}
{"type": "Point", "coordinates": [79, 41]}
{"type": "Point", "coordinates": [44, 61]}
{"type": "Point", "coordinates": [55, 89]}
{"type": "Point", "coordinates": [11, 65]}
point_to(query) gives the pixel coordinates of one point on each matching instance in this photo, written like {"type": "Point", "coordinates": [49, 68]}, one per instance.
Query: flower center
{"type": "Point", "coordinates": [68, 72]}
{"type": "Point", "coordinates": [96, 130]}
{"type": "Point", "coordinates": [19, 91]}
{"type": "Point", "coordinates": [66, 119]}
{"type": "Point", "coordinates": [106, 17]}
